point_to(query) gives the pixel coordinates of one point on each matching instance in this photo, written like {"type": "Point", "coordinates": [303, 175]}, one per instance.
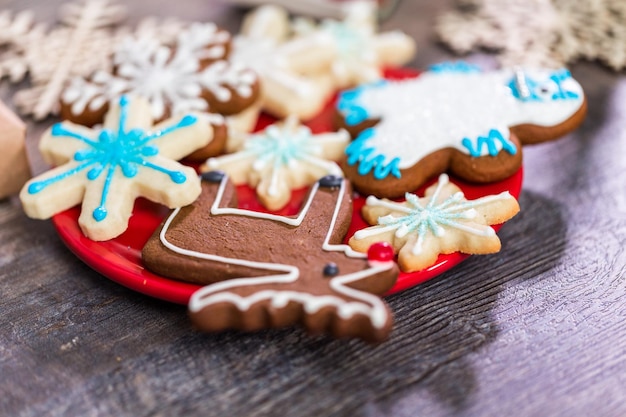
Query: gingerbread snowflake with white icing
{"type": "Point", "coordinates": [284, 157]}
{"type": "Point", "coordinates": [108, 168]}
{"type": "Point", "coordinates": [442, 222]}
{"type": "Point", "coordinates": [191, 75]}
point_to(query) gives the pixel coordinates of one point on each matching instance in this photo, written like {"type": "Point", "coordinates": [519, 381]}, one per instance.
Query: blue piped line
{"type": "Point", "coordinates": [59, 130]}
{"type": "Point", "coordinates": [358, 152]}
{"type": "Point", "coordinates": [176, 176]}
{"type": "Point", "coordinates": [490, 141]}
{"type": "Point", "coordinates": [186, 121]}
{"type": "Point", "coordinates": [101, 212]}
{"type": "Point", "coordinates": [36, 187]}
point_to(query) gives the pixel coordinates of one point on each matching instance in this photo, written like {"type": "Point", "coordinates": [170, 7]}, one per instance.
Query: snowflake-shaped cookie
{"type": "Point", "coordinates": [108, 168]}
{"type": "Point", "coordinates": [282, 158]}
{"type": "Point", "coordinates": [442, 222]}
{"type": "Point", "coordinates": [360, 51]}
{"type": "Point", "coordinates": [190, 76]}
{"type": "Point", "coordinates": [264, 44]}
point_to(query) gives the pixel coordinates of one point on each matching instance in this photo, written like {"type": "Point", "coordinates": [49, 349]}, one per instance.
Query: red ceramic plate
{"type": "Point", "coordinates": [119, 259]}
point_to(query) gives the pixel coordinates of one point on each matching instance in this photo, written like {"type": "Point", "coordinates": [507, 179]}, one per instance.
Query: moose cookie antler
{"type": "Point", "coordinates": [453, 118]}
{"type": "Point", "coordinates": [265, 270]}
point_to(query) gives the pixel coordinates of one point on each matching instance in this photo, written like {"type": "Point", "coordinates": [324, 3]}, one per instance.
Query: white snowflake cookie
{"type": "Point", "coordinates": [442, 222]}
{"type": "Point", "coordinates": [265, 44]}
{"type": "Point", "coordinates": [360, 52]}
{"type": "Point", "coordinates": [283, 157]}
{"type": "Point", "coordinates": [108, 168]}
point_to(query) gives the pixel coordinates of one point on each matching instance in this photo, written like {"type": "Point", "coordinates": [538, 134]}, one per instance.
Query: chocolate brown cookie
{"type": "Point", "coordinates": [263, 270]}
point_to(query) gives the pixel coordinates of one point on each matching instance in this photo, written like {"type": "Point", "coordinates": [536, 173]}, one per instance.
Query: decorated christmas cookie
{"type": "Point", "coordinates": [442, 222]}
{"type": "Point", "coordinates": [284, 157]}
{"type": "Point", "coordinates": [192, 75]}
{"type": "Point", "coordinates": [265, 45]}
{"type": "Point", "coordinates": [360, 52]}
{"type": "Point", "coordinates": [263, 270]}
{"type": "Point", "coordinates": [454, 118]}
{"type": "Point", "coordinates": [108, 168]}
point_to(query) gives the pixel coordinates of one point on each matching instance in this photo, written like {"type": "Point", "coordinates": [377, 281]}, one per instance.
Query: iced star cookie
{"type": "Point", "coordinates": [265, 271]}
{"type": "Point", "coordinates": [108, 168]}
{"type": "Point", "coordinates": [442, 222]}
{"type": "Point", "coordinates": [453, 118]}
{"type": "Point", "coordinates": [284, 157]}
{"type": "Point", "coordinates": [191, 76]}
{"type": "Point", "coordinates": [265, 44]}
{"type": "Point", "coordinates": [360, 51]}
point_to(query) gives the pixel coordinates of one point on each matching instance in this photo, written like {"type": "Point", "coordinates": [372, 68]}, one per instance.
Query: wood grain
{"type": "Point", "coordinates": [536, 330]}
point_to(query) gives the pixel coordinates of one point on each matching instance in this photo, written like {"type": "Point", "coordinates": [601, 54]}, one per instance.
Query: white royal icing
{"type": "Point", "coordinates": [438, 110]}
{"type": "Point", "coordinates": [166, 77]}
{"type": "Point", "coordinates": [430, 218]}
{"type": "Point", "coordinates": [368, 304]}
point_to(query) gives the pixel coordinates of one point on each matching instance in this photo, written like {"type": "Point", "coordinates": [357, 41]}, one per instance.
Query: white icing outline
{"type": "Point", "coordinates": [371, 306]}
{"type": "Point", "coordinates": [454, 204]}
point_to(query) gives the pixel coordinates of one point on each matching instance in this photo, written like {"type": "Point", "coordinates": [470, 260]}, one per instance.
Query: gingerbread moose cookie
{"type": "Point", "coordinates": [453, 118]}
{"type": "Point", "coordinates": [263, 270]}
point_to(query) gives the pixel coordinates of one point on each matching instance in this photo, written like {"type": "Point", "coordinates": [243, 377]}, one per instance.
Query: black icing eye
{"type": "Point", "coordinates": [213, 176]}
{"type": "Point", "coordinates": [331, 269]}
{"type": "Point", "coordinates": [330, 181]}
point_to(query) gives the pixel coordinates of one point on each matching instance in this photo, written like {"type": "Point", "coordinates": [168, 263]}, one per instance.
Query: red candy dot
{"type": "Point", "coordinates": [380, 252]}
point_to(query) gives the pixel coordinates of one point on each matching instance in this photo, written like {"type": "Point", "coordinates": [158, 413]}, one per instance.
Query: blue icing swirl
{"type": "Point", "coordinates": [350, 107]}
{"type": "Point", "coordinates": [124, 148]}
{"type": "Point", "coordinates": [475, 148]}
{"type": "Point", "coordinates": [456, 66]}
{"type": "Point", "coordinates": [359, 152]}
{"type": "Point", "coordinates": [551, 89]}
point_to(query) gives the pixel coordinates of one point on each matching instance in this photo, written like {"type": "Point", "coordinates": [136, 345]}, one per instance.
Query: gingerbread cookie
{"type": "Point", "coordinates": [284, 157]}
{"type": "Point", "coordinates": [263, 270]}
{"type": "Point", "coordinates": [265, 44]}
{"type": "Point", "coordinates": [108, 168]}
{"type": "Point", "coordinates": [190, 76]}
{"type": "Point", "coordinates": [442, 222]}
{"type": "Point", "coordinates": [453, 118]}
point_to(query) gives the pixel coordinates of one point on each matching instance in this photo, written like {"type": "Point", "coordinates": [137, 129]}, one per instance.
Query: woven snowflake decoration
{"type": "Point", "coordinates": [442, 222]}
{"type": "Point", "coordinates": [81, 44]}
{"type": "Point", "coordinates": [549, 33]}
{"type": "Point", "coordinates": [108, 168]}
{"type": "Point", "coordinates": [18, 32]}
{"type": "Point", "coordinates": [283, 157]}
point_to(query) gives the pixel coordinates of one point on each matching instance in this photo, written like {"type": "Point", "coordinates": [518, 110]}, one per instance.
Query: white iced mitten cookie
{"type": "Point", "coordinates": [109, 167]}
{"type": "Point", "coordinates": [284, 157]}
{"type": "Point", "coordinates": [442, 222]}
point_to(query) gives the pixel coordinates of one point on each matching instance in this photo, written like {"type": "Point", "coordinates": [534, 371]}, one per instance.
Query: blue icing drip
{"type": "Point", "coordinates": [348, 103]}
{"type": "Point", "coordinates": [123, 148]}
{"type": "Point", "coordinates": [100, 213]}
{"type": "Point", "coordinates": [558, 77]}
{"type": "Point", "coordinates": [358, 152]}
{"type": "Point", "coordinates": [538, 91]}
{"type": "Point", "coordinates": [494, 136]}
{"type": "Point", "coordinates": [457, 66]}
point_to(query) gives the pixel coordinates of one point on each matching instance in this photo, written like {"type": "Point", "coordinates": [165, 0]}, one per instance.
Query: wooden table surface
{"type": "Point", "coordinates": [536, 330]}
